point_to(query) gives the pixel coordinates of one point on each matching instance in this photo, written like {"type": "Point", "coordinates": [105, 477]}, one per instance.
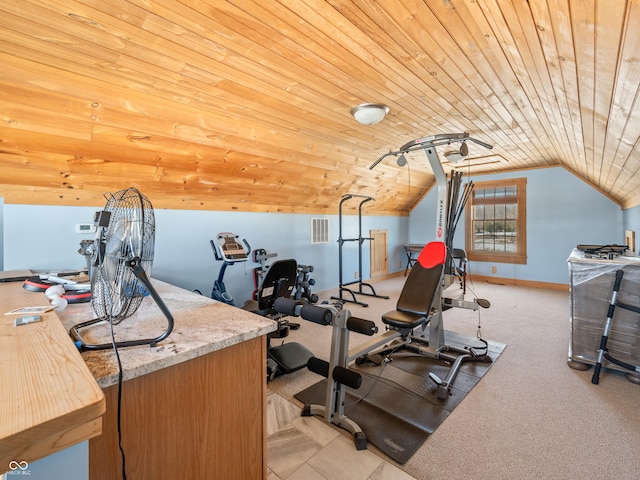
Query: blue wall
{"type": "Point", "coordinates": [631, 221]}
{"type": "Point", "coordinates": [562, 212]}
{"type": "Point", "coordinates": [44, 238]}
{"type": "Point", "coordinates": [72, 463]}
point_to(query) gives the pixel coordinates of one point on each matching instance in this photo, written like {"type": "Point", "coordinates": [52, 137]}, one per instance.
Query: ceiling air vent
{"type": "Point", "coordinates": [319, 230]}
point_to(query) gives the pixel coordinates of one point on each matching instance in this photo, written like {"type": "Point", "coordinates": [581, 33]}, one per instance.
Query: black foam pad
{"type": "Point", "coordinates": [316, 314]}
{"type": "Point", "coordinates": [360, 325]}
{"type": "Point", "coordinates": [347, 377]}
{"type": "Point", "coordinates": [286, 306]}
{"type": "Point", "coordinates": [290, 356]}
{"type": "Point", "coordinates": [321, 367]}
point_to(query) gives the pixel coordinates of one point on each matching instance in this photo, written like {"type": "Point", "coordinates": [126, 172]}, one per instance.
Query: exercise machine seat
{"type": "Point", "coordinates": [290, 357]}
{"type": "Point", "coordinates": [421, 304]}
{"type": "Point", "coordinates": [279, 281]}
{"type": "Point", "coordinates": [419, 292]}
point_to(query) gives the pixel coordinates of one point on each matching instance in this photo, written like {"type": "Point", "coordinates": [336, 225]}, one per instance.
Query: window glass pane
{"type": "Point", "coordinates": [494, 222]}
{"type": "Point", "coordinates": [494, 215]}
{"type": "Point", "coordinates": [489, 212]}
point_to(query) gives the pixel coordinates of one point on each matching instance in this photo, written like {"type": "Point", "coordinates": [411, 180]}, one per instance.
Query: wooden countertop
{"type": "Point", "coordinates": [201, 326]}
{"type": "Point", "coordinates": [49, 398]}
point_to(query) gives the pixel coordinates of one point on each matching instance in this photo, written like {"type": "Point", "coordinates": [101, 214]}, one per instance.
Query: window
{"type": "Point", "coordinates": [496, 226]}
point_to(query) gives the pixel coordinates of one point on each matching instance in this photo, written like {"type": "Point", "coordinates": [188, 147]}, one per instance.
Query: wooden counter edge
{"type": "Point", "coordinates": [74, 425]}
{"type": "Point", "coordinates": [50, 443]}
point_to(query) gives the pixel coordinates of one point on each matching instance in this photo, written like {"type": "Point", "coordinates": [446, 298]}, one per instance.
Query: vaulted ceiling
{"type": "Point", "coordinates": [244, 105]}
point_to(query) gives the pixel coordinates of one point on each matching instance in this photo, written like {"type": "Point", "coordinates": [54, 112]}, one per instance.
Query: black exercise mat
{"type": "Point", "coordinates": [396, 406]}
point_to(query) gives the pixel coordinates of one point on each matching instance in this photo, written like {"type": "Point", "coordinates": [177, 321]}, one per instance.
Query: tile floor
{"type": "Point", "coordinates": [307, 448]}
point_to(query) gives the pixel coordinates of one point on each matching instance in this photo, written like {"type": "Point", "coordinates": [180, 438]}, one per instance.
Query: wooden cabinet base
{"type": "Point", "coordinates": [200, 419]}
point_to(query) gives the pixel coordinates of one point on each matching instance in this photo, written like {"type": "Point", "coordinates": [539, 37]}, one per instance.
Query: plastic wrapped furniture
{"type": "Point", "coordinates": [592, 280]}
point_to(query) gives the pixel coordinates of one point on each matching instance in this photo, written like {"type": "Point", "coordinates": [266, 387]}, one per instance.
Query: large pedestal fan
{"type": "Point", "coordinates": [121, 266]}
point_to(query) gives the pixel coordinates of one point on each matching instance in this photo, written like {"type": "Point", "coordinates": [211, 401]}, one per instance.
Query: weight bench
{"type": "Point", "coordinates": [420, 305]}
{"type": "Point", "coordinates": [274, 300]}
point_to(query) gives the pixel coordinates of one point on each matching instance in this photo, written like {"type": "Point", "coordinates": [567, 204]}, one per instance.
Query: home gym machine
{"type": "Point", "coordinates": [434, 344]}
{"type": "Point", "coordinates": [228, 250]}
{"type": "Point", "coordinates": [421, 287]}
{"type": "Point", "coordinates": [360, 239]}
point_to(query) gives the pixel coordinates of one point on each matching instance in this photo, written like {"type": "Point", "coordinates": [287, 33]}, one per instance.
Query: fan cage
{"type": "Point", "coordinates": [130, 235]}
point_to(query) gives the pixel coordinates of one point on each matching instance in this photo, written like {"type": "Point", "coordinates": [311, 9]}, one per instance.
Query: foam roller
{"type": "Point", "coordinates": [316, 314]}
{"type": "Point", "coordinates": [286, 306]}
{"type": "Point", "coordinates": [347, 377]}
{"type": "Point", "coordinates": [321, 367]}
{"type": "Point", "coordinates": [360, 325]}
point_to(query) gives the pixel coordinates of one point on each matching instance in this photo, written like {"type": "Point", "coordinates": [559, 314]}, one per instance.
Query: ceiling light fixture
{"type": "Point", "coordinates": [369, 113]}
{"type": "Point", "coordinates": [457, 155]}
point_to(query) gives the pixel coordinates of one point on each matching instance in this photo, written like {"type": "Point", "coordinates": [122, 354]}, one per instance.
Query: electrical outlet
{"type": "Point", "coordinates": [494, 269]}
{"type": "Point", "coordinates": [355, 274]}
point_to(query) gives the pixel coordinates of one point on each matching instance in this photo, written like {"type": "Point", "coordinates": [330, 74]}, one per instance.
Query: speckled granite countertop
{"type": "Point", "coordinates": [201, 326]}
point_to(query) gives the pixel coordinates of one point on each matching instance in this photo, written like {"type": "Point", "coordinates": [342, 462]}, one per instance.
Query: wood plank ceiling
{"type": "Point", "coordinates": [244, 104]}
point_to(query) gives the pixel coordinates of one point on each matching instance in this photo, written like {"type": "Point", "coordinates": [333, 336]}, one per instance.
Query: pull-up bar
{"type": "Point", "coordinates": [360, 239]}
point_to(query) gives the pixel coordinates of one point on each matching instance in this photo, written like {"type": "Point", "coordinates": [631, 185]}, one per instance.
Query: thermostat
{"type": "Point", "coordinates": [85, 228]}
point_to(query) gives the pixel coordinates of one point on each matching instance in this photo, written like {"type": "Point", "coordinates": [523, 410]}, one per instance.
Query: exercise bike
{"type": "Point", "coordinates": [227, 249]}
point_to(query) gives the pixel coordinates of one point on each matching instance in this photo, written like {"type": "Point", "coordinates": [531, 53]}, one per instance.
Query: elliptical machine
{"type": "Point", "coordinates": [227, 249]}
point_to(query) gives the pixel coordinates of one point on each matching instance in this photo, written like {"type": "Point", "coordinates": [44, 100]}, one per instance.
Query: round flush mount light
{"type": "Point", "coordinates": [369, 113]}
{"type": "Point", "coordinates": [457, 155]}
